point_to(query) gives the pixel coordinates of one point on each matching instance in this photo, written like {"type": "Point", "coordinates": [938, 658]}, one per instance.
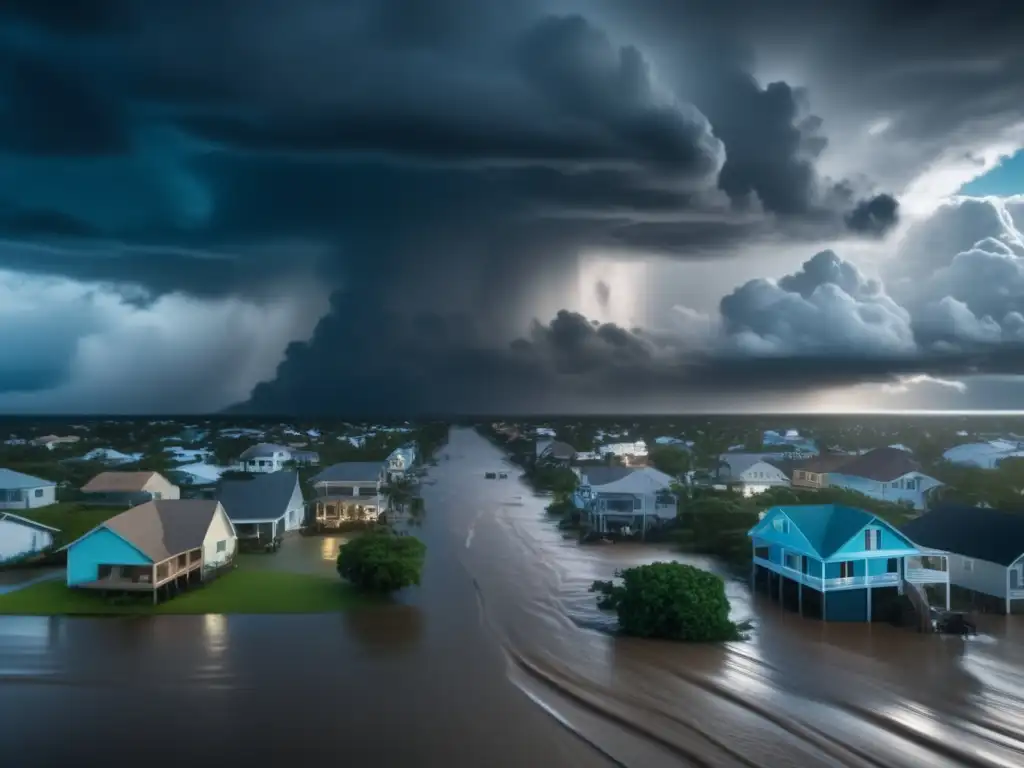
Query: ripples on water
{"type": "Point", "coordinates": [798, 693]}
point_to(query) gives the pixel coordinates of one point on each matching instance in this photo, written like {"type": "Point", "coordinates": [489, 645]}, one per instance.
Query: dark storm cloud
{"type": "Point", "coordinates": [50, 110]}
{"type": "Point", "coordinates": [457, 153]}
{"type": "Point", "coordinates": [875, 216]}
{"type": "Point", "coordinates": [570, 364]}
{"type": "Point", "coordinates": [484, 85]}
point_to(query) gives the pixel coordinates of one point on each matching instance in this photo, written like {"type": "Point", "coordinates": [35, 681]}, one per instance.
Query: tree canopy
{"type": "Point", "coordinates": [382, 562]}
{"type": "Point", "coordinates": [670, 460]}
{"type": "Point", "coordinates": [669, 601]}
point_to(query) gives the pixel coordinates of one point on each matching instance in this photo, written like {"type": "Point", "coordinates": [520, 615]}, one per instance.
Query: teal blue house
{"type": "Point", "coordinates": [838, 563]}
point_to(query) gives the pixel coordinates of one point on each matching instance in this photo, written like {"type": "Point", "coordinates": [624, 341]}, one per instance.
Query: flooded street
{"type": "Point", "coordinates": [501, 659]}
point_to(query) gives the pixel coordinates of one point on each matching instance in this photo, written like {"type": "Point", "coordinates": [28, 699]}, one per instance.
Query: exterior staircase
{"type": "Point", "coordinates": [922, 610]}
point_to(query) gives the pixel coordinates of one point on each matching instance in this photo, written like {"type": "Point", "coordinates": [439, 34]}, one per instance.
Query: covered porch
{"type": "Point", "coordinates": [158, 579]}
{"type": "Point", "coordinates": [259, 534]}
{"type": "Point", "coordinates": [846, 588]}
{"type": "Point", "coordinates": [329, 512]}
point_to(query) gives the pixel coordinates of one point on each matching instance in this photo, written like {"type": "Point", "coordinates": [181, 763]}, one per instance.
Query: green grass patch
{"type": "Point", "coordinates": [237, 592]}
{"type": "Point", "coordinates": [72, 519]}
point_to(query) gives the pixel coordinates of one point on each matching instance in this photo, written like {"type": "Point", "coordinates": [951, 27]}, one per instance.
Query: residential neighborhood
{"type": "Point", "coordinates": [925, 503]}
{"type": "Point", "coordinates": [119, 487]}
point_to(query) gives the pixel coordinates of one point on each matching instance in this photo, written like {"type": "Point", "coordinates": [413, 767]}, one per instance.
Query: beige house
{"type": "Point", "coordinates": [129, 488]}
{"type": "Point", "coordinates": [813, 473]}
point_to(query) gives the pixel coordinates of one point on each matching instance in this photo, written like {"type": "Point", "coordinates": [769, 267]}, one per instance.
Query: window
{"type": "Point", "coordinates": [846, 570]}
{"type": "Point", "coordinates": [781, 524]}
{"type": "Point", "coordinates": [968, 564]}
{"type": "Point", "coordinates": [872, 539]}
{"type": "Point", "coordinates": [222, 546]}
{"type": "Point", "coordinates": [157, 495]}
{"type": "Point", "coordinates": [39, 493]}
{"type": "Point", "coordinates": [793, 561]}
{"type": "Point", "coordinates": [800, 474]}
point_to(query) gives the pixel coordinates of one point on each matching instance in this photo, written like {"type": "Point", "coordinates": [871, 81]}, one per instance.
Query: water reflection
{"type": "Point", "coordinates": [385, 630]}
{"type": "Point", "coordinates": [329, 547]}
{"type": "Point", "coordinates": [215, 634]}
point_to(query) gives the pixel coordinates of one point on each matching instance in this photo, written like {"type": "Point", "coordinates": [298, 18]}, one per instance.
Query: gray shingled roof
{"type": "Point", "coordinates": [162, 529]}
{"type": "Point", "coordinates": [604, 475]}
{"type": "Point", "coordinates": [351, 472]}
{"type": "Point", "coordinates": [265, 497]}
{"type": "Point", "coordinates": [263, 450]}
{"type": "Point", "coordinates": [982, 533]}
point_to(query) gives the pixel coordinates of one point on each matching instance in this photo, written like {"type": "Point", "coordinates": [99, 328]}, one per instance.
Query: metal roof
{"type": "Point", "coordinates": [11, 480]}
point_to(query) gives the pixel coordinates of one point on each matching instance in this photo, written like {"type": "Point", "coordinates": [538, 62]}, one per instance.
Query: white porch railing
{"type": "Point", "coordinates": [927, 576]}
{"type": "Point", "coordinates": [845, 582]}
{"type": "Point", "coordinates": [1016, 594]}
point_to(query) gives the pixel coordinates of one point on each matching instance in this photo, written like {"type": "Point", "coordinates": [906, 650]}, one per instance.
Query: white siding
{"type": "Point", "coordinates": [158, 484]}
{"type": "Point", "coordinates": [296, 511]}
{"type": "Point", "coordinates": [759, 477]}
{"type": "Point", "coordinates": [979, 575]}
{"type": "Point", "coordinates": [910, 488]}
{"type": "Point", "coordinates": [220, 530]}
{"type": "Point", "coordinates": [266, 464]}
{"type": "Point", "coordinates": [18, 539]}
{"type": "Point", "coordinates": [33, 498]}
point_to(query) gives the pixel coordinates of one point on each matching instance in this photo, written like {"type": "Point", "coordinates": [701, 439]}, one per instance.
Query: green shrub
{"type": "Point", "coordinates": [669, 601]}
{"type": "Point", "coordinates": [382, 562]}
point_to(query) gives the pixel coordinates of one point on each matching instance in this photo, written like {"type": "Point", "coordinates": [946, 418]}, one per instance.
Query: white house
{"type": "Point", "coordinates": [53, 441]}
{"type": "Point", "coordinates": [637, 499]}
{"type": "Point", "coordinates": [199, 473]}
{"type": "Point", "coordinates": [271, 457]}
{"type": "Point", "coordinates": [20, 491]}
{"type": "Point", "coordinates": [754, 475]}
{"type": "Point", "coordinates": [636, 448]}
{"type": "Point", "coordinates": [20, 536]}
{"type": "Point", "coordinates": [886, 474]}
{"type": "Point", "coordinates": [110, 456]}
{"type": "Point", "coordinates": [982, 547]}
{"type": "Point", "coordinates": [401, 461]}
{"type": "Point", "coordinates": [984, 455]}
{"type": "Point", "coordinates": [265, 508]}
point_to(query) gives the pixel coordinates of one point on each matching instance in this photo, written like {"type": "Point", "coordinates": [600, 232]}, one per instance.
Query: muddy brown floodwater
{"type": "Point", "coordinates": [501, 659]}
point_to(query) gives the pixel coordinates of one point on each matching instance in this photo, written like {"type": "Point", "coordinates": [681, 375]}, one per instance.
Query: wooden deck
{"type": "Point", "coordinates": [138, 578]}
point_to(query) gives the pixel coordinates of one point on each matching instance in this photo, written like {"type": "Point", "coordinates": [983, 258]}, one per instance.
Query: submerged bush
{"type": "Point", "coordinates": [382, 561]}
{"type": "Point", "coordinates": [669, 601]}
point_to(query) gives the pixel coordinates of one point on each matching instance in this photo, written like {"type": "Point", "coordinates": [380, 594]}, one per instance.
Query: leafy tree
{"type": "Point", "coordinates": [558, 480]}
{"type": "Point", "coordinates": [671, 461]}
{"type": "Point", "coordinates": [670, 601]}
{"type": "Point", "coordinates": [708, 447]}
{"type": "Point", "coordinates": [399, 491]}
{"type": "Point", "coordinates": [382, 562]}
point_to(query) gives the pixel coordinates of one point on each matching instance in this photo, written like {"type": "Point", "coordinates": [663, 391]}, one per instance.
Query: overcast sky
{"type": "Point", "coordinates": [466, 206]}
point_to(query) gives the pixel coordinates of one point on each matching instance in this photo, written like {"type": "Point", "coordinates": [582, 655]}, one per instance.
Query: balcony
{"type": "Point", "coordinates": [927, 576]}
{"type": "Point", "coordinates": [839, 583]}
